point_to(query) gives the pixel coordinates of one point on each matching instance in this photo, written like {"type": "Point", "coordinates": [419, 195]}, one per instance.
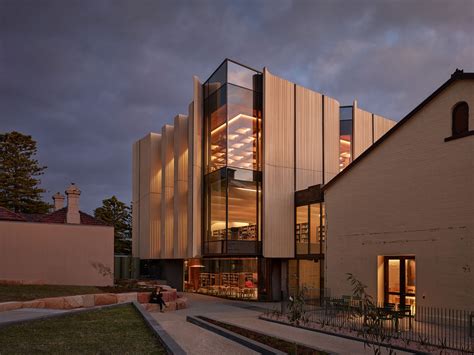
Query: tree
{"type": "Point", "coordinates": [19, 172]}
{"type": "Point", "coordinates": [117, 214]}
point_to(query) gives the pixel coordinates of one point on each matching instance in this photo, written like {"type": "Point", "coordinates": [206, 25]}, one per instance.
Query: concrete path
{"type": "Point", "coordinates": [196, 340]}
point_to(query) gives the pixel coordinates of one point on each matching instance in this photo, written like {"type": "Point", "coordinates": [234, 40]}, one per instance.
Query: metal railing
{"type": "Point", "coordinates": [427, 326]}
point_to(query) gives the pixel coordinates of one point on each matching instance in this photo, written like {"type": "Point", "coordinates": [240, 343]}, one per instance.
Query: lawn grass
{"type": "Point", "coordinates": [31, 292]}
{"type": "Point", "coordinates": [114, 330]}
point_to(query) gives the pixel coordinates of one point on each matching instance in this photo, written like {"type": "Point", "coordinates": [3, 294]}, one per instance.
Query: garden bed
{"type": "Point", "coordinates": [274, 342]}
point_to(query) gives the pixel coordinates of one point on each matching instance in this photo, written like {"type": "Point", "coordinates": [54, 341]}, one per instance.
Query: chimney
{"type": "Point", "coordinates": [58, 201]}
{"type": "Point", "coordinates": [73, 204]}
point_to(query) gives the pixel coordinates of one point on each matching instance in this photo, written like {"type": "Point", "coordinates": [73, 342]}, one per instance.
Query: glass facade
{"type": "Point", "coordinates": [232, 155]}
{"type": "Point", "coordinates": [310, 233]}
{"type": "Point", "coordinates": [233, 278]}
{"type": "Point", "coordinates": [306, 275]}
{"type": "Point", "coordinates": [400, 280]}
{"type": "Point", "coordinates": [345, 137]}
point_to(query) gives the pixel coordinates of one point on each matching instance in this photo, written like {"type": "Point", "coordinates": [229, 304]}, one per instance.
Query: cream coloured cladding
{"type": "Point", "coordinates": [56, 254]}
{"type": "Point", "coordinates": [167, 192]}
{"type": "Point", "coordinates": [180, 219]}
{"type": "Point", "coordinates": [331, 138]}
{"type": "Point", "coordinates": [309, 138]}
{"type": "Point", "coordinates": [381, 126]}
{"type": "Point", "coordinates": [363, 131]}
{"type": "Point", "coordinates": [146, 196]}
{"type": "Point", "coordinates": [411, 195]}
{"type": "Point", "coordinates": [135, 198]}
{"type": "Point", "coordinates": [278, 167]}
{"type": "Point", "coordinates": [195, 171]}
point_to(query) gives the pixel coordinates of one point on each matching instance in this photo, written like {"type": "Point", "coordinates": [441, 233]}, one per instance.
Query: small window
{"type": "Point", "coordinates": [460, 119]}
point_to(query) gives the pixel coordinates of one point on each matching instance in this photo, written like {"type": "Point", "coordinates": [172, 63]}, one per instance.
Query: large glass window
{"type": "Point", "coordinates": [215, 110]}
{"type": "Point", "coordinates": [233, 278]}
{"type": "Point", "coordinates": [232, 118]}
{"type": "Point", "coordinates": [232, 123]}
{"type": "Point", "coordinates": [310, 231]}
{"type": "Point", "coordinates": [217, 79]}
{"type": "Point", "coordinates": [232, 212]}
{"type": "Point", "coordinates": [243, 76]}
{"type": "Point", "coordinates": [216, 213]}
{"type": "Point", "coordinates": [305, 275]}
{"type": "Point", "coordinates": [400, 281]}
{"type": "Point", "coordinates": [345, 138]}
{"type": "Point", "coordinates": [244, 111]}
{"type": "Point", "coordinates": [302, 230]}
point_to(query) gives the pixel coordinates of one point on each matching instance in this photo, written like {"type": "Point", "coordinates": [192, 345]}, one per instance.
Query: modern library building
{"type": "Point", "coordinates": [222, 199]}
{"type": "Point", "coordinates": [230, 199]}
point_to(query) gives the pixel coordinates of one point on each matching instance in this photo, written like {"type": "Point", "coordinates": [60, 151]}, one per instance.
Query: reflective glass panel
{"type": "Point", "coordinates": [233, 278]}
{"type": "Point", "coordinates": [218, 79]}
{"type": "Point", "coordinates": [394, 276]}
{"type": "Point", "coordinates": [302, 230]}
{"type": "Point", "coordinates": [315, 228]}
{"type": "Point", "coordinates": [216, 211]}
{"type": "Point", "coordinates": [309, 279]}
{"type": "Point", "coordinates": [345, 139]}
{"type": "Point", "coordinates": [243, 110]}
{"type": "Point", "coordinates": [216, 130]}
{"type": "Point", "coordinates": [410, 276]}
{"type": "Point", "coordinates": [242, 206]}
{"type": "Point", "coordinates": [242, 76]}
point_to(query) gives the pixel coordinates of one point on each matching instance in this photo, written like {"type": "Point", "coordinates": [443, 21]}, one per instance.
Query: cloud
{"type": "Point", "coordinates": [87, 78]}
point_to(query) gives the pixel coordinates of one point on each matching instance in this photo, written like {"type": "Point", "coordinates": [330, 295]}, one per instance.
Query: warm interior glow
{"type": "Point", "coordinates": [240, 115]}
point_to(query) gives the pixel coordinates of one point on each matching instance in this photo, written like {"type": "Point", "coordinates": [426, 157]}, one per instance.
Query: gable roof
{"type": "Point", "coordinates": [58, 216]}
{"type": "Point", "coordinates": [457, 75]}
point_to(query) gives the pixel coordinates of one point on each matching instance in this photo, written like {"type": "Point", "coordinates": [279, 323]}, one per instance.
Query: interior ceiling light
{"type": "Point", "coordinates": [237, 145]}
{"type": "Point", "coordinates": [247, 140]}
{"type": "Point", "coordinates": [233, 136]}
{"type": "Point", "coordinates": [233, 119]}
{"type": "Point", "coordinates": [243, 130]}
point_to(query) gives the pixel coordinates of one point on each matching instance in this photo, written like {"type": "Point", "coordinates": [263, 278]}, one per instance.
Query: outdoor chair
{"type": "Point", "coordinates": [404, 311]}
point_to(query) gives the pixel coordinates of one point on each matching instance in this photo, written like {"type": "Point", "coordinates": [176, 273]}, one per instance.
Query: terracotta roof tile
{"type": "Point", "coordinates": [7, 215]}
{"type": "Point", "coordinates": [58, 216]}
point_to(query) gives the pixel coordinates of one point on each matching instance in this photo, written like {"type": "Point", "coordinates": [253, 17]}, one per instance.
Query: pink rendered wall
{"type": "Point", "coordinates": [60, 254]}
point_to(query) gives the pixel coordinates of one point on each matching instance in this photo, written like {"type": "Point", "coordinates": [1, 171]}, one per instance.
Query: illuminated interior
{"type": "Point", "coordinates": [232, 278]}
{"type": "Point", "coordinates": [233, 115]}
{"type": "Point", "coordinates": [310, 231]}
{"type": "Point", "coordinates": [400, 281]}
{"type": "Point", "coordinates": [345, 137]}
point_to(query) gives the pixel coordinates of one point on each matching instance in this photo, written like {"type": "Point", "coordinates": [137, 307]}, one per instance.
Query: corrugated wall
{"type": "Point", "coordinates": [167, 207]}
{"type": "Point", "coordinates": [180, 229]}
{"type": "Point", "coordinates": [363, 131]}
{"type": "Point", "coordinates": [195, 171]}
{"type": "Point", "coordinates": [146, 196]}
{"type": "Point", "coordinates": [381, 126]}
{"type": "Point", "coordinates": [309, 138]}
{"type": "Point", "coordinates": [278, 166]}
{"type": "Point", "coordinates": [331, 138]}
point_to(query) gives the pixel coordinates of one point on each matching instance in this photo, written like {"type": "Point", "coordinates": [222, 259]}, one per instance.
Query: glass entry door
{"type": "Point", "coordinates": [400, 280]}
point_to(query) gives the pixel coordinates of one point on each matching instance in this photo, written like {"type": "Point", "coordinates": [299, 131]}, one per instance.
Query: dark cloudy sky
{"type": "Point", "coordinates": [87, 78]}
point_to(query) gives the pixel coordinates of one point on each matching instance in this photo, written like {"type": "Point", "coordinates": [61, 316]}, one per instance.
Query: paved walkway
{"type": "Point", "coordinates": [196, 340]}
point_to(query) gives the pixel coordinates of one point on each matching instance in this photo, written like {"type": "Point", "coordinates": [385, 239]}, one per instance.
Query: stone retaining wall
{"type": "Point", "coordinates": [86, 301]}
